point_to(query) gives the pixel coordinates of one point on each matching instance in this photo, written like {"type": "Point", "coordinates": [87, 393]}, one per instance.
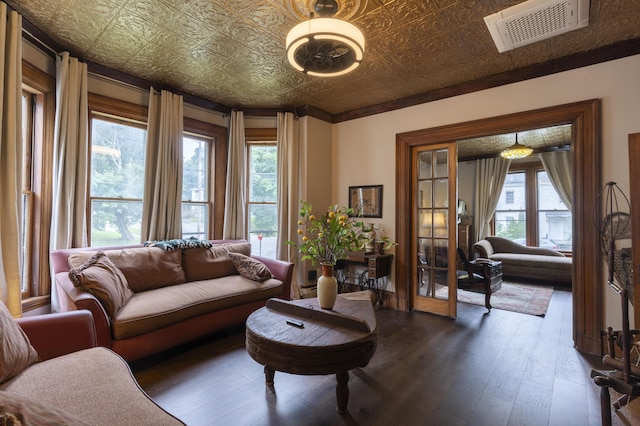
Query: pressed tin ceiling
{"type": "Point", "coordinates": [232, 52]}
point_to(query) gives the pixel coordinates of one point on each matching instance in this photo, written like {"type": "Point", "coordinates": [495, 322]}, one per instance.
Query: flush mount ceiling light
{"type": "Point", "coordinates": [516, 151]}
{"type": "Point", "coordinates": [325, 46]}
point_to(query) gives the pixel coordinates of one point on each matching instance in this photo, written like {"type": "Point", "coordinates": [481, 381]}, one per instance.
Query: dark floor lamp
{"type": "Point", "coordinates": [613, 230]}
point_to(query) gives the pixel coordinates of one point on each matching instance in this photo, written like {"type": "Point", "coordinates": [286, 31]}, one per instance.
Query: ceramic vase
{"type": "Point", "coordinates": [327, 287]}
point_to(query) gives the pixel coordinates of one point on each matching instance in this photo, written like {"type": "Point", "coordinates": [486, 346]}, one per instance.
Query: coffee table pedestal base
{"type": "Point", "coordinates": [342, 388]}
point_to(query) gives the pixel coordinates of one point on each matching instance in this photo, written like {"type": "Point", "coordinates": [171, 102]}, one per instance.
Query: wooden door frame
{"type": "Point", "coordinates": [634, 175]}
{"type": "Point", "coordinates": [584, 117]}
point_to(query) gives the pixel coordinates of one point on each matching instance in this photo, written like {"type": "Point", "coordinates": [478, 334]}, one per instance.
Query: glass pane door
{"type": "Point", "coordinates": [434, 229]}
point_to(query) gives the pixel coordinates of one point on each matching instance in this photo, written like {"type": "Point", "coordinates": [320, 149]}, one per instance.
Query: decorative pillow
{"type": "Point", "coordinates": [144, 268]}
{"type": "Point", "coordinates": [250, 268]}
{"type": "Point", "coordinates": [16, 352]}
{"type": "Point", "coordinates": [208, 263]}
{"type": "Point", "coordinates": [20, 410]}
{"type": "Point", "coordinates": [100, 277]}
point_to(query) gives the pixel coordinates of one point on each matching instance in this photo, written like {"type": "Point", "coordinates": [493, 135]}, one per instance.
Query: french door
{"type": "Point", "coordinates": [434, 202]}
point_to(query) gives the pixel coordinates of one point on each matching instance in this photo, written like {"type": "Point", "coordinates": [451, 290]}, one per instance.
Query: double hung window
{"type": "Point", "coordinates": [262, 190]}
{"type": "Point", "coordinates": [531, 212]}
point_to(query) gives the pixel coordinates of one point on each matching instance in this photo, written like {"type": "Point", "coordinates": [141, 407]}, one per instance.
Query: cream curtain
{"type": "Point", "coordinates": [558, 167]}
{"type": "Point", "coordinates": [288, 198]}
{"type": "Point", "coordinates": [10, 158]}
{"type": "Point", "coordinates": [234, 216]}
{"type": "Point", "coordinates": [490, 176]}
{"type": "Point", "coordinates": [162, 201]}
{"type": "Point", "coordinates": [70, 153]}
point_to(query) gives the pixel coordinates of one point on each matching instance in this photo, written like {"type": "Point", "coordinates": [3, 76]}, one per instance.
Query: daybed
{"type": "Point", "coordinates": [148, 299]}
{"type": "Point", "coordinates": [520, 261]}
{"type": "Point", "coordinates": [55, 375]}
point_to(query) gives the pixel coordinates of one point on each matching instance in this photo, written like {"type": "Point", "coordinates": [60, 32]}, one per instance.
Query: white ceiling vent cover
{"type": "Point", "coordinates": [536, 20]}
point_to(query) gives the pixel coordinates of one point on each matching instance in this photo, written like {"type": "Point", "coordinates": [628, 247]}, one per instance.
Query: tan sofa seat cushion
{"type": "Point", "coordinates": [145, 268]}
{"type": "Point", "coordinates": [94, 385]}
{"type": "Point", "coordinates": [214, 262]}
{"type": "Point", "coordinates": [154, 309]}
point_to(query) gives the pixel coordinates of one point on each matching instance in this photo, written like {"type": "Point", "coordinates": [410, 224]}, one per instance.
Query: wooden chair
{"type": "Point", "coordinates": [475, 277]}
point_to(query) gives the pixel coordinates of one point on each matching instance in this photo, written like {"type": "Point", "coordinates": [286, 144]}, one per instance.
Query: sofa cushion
{"type": "Point", "coordinates": [535, 266]}
{"type": "Point", "coordinates": [16, 352]}
{"type": "Point", "coordinates": [94, 385]}
{"type": "Point", "coordinates": [214, 262]}
{"type": "Point", "coordinates": [155, 309]}
{"type": "Point", "coordinates": [250, 268]}
{"type": "Point", "coordinates": [100, 277]}
{"type": "Point", "coordinates": [160, 268]}
{"type": "Point", "coordinates": [20, 410]}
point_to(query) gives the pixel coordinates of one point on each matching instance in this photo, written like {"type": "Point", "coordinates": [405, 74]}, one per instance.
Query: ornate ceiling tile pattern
{"type": "Point", "coordinates": [232, 51]}
{"type": "Point", "coordinates": [558, 136]}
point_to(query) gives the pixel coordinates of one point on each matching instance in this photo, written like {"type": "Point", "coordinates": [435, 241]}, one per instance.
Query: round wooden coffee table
{"type": "Point", "coordinates": [299, 337]}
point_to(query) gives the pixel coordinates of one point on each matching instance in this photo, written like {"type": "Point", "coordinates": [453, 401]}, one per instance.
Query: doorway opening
{"type": "Point", "coordinates": [584, 119]}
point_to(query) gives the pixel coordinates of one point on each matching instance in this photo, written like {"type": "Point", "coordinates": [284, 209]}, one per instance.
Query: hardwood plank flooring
{"type": "Point", "coordinates": [501, 368]}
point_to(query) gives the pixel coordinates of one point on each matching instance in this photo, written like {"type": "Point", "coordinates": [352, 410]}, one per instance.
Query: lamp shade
{"type": "Point", "coordinates": [516, 151]}
{"type": "Point", "coordinates": [325, 47]}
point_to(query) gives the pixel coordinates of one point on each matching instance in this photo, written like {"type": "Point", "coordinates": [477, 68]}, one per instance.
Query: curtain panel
{"type": "Point", "coordinates": [288, 173]}
{"type": "Point", "coordinates": [162, 201]}
{"type": "Point", "coordinates": [70, 158]}
{"type": "Point", "coordinates": [235, 195]}
{"type": "Point", "coordinates": [490, 176]}
{"type": "Point", "coordinates": [559, 168]}
{"type": "Point", "coordinates": [11, 159]}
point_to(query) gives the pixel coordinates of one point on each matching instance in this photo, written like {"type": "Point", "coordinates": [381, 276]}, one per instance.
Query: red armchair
{"type": "Point", "coordinates": [60, 334]}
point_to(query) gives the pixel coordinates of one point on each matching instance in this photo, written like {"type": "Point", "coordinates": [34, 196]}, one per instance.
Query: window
{"type": "Point", "coordinates": [38, 104]}
{"type": "Point", "coordinates": [554, 219]}
{"type": "Point", "coordinates": [116, 181]}
{"type": "Point", "coordinates": [262, 190]}
{"type": "Point", "coordinates": [195, 188]}
{"type": "Point", "coordinates": [510, 219]}
{"type": "Point", "coordinates": [531, 212]}
{"type": "Point", "coordinates": [118, 148]}
{"type": "Point", "coordinates": [510, 197]}
{"type": "Point", "coordinates": [29, 100]}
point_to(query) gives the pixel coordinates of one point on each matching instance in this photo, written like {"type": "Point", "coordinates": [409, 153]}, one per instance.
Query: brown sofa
{"type": "Point", "coordinates": [168, 297]}
{"type": "Point", "coordinates": [63, 378]}
{"type": "Point", "coordinates": [518, 261]}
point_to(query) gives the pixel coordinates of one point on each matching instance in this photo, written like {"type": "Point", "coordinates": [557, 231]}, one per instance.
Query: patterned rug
{"type": "Point", "coordinates": [531, 299]}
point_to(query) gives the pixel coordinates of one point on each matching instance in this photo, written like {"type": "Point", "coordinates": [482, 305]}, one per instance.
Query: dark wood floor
{"type": "Point", "coordinates": [501, 368]}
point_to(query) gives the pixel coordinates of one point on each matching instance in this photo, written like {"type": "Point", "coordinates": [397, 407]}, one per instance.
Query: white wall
{"type": "Point", "coordinates": [364, 149]}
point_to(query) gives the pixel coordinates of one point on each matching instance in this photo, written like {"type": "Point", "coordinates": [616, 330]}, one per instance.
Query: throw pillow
{"type": "Point", "coordinates": [20, 410]}
{"type": "Point", "coordinates": [100, 277]}
{"type": "Point", "coordinates": [250, 268]}
{"type": "Point", "coordinates": [16, 352]}
{"type": "Point", "coordinates": [208, 263]}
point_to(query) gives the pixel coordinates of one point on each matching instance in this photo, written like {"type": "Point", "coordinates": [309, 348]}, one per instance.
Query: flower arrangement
{"type": "Point", "coordinates": [328, 237]}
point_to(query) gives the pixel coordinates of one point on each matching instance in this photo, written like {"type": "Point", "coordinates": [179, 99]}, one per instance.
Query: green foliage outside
{"type": "Point", "coordinates": [117, 171]}
{"type": "Point", "coordinates": [263, 219]}
{"type": "Point", "coordinates": [512, 229]}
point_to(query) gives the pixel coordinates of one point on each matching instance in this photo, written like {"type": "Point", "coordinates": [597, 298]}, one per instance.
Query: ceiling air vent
{"type": "Point", "coordinates": [536, 20]}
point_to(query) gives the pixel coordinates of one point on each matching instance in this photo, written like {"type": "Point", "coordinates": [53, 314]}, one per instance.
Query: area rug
{"type": "Point", "coordinates": [531, 299]}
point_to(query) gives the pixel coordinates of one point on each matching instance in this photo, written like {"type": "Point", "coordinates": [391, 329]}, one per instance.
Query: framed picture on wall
{"type": "Point", "coordinates": [366, 201]}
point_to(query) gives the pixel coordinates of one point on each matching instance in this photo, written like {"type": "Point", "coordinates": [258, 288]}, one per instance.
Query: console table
{"type": "Point", "coordinates": [377, 266]}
